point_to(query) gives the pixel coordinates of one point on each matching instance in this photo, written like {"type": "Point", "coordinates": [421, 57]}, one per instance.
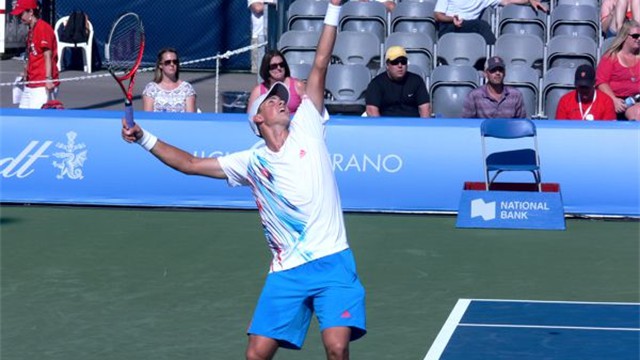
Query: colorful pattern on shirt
{"type": "Point", "coordinates": [295, 191]}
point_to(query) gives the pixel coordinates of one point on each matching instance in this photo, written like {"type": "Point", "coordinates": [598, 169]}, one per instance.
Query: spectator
{"type": "Point", "coordinates": [397, 92]}
{"type": "Point", "coordinates": [167, 93]}
{"type": "Point", "coordinates": [585, 102]}
{"type": "Point", "coordinates": [258, 30]}
{"type": "Point", "coordinates": [41, 56]}
{"type": "Point", "coordinates": [618, 73]}
{"type": "Point", "coordinates": [613, 14]}
{"type": "Point", "coordinates": [494, 99]}
{"type": "Point", "coordinates": [273, 69]}
{"type": "Point", "coordinates": [464, 15]}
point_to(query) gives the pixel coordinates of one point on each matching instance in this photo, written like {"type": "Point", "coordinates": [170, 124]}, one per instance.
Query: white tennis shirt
{"type": "Point", "coordinates": [295, 191]}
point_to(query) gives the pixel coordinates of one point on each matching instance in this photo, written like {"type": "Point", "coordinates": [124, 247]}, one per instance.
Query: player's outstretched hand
{"type": "Point", "coordinates": [131, 134]}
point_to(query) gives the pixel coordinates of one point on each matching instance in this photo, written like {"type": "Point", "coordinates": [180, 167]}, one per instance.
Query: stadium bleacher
{"type": "Point", "coordinates": [565, 37]}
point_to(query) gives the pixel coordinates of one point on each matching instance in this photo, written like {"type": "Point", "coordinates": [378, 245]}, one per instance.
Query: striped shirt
{"type": "Point", "coordinates": [480, 105]}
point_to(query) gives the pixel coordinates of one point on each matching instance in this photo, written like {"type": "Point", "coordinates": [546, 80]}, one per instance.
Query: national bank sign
{"type": "Point", "coordinates": [511, 210]}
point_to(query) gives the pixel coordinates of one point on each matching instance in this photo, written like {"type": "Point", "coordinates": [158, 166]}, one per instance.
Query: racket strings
{"type": "Point", "coordinates": [125, 44]}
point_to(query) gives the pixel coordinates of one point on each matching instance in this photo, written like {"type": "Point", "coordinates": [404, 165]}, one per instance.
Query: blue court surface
{"type": "Point", "coordinates": [513, 329]}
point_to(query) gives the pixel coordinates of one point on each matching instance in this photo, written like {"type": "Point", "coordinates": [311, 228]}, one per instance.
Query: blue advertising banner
{"type": "Point", "coordinates": [381, 164]}
{"type": "Point", "coordinates": [511, 210]}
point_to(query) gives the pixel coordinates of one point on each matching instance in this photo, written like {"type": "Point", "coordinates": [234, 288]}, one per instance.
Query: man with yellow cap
{"type": "Point", "coordinates": [397, 92]}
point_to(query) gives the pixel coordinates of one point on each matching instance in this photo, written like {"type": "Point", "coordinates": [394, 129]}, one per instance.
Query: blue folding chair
{"type": "Point", "coordinates": [517, 159]}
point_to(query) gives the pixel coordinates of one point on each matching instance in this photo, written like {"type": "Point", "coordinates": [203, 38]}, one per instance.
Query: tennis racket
{"type": "Point", "coordinates": [124, 52]}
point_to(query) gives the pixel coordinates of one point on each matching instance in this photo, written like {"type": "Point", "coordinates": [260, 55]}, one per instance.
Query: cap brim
{"type": "Point", "coordinates": [585, 83]}
{"type": "Point", "coordinates": [17, 11]}
{"type": "Point", "coordinates": [279, 89]}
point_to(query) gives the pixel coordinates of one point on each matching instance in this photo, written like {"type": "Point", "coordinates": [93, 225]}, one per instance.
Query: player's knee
{"type": "Point", "coordinates": [255, 354]}
{"type": "Point", "coordinates": [337, 350]}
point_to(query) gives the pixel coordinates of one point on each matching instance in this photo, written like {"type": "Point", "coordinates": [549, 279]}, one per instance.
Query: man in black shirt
{"type": "Point", "coordinates": [397, 92]}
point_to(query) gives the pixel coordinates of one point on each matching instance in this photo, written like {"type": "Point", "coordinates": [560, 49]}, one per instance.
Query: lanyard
{"type": "Point", "coordinates": [585, 114]}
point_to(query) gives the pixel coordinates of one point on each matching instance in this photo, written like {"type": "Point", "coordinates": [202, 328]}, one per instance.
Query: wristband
{"type": "Point", "coordinates": [332, 16]}
{"type": "Point", "coordinates": [148, 140]}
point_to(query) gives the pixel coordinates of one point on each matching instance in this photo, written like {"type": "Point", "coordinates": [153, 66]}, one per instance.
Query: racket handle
{"type": "Point", "coordinates": [128, 115]}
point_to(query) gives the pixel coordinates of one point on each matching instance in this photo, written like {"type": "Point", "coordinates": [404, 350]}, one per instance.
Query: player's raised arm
{"type": "Point", "coordinates": [316, 79]}
{"type": "Point", "coordinates": [172, 156]}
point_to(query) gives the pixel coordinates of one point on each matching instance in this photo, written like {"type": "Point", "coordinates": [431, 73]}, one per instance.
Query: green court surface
{"type": "Point", "coordinates": [113, 283]}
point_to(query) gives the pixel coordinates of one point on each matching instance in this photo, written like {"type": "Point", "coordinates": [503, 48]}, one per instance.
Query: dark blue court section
{"type": "Point", "coordinates": [497, 343]}
{"type": "Point", "coordinates": [553, 314]}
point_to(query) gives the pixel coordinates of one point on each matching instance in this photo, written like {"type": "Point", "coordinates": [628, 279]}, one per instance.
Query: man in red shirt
{"type": "Point", "coordinates": [42, 56]}
{"type": "Point", "coordinates": [586, 102]}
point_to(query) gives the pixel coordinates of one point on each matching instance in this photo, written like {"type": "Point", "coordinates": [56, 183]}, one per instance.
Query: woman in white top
{"type": "Point", "coordinates": [167, 93]}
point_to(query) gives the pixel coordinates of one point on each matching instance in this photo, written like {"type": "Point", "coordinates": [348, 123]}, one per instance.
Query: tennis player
{"type": "Point", "coordinates": [294, 186]}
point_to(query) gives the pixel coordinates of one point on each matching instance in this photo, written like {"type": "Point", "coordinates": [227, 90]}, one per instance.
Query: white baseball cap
{"type": "Point", "coordinates": [278, 89]}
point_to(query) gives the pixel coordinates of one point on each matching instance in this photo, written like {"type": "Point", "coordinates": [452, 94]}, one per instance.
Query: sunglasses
{"type": "Point", "coordinates": [170, 62]}
{"type": "Point", "coordinates": [400, 60]}
{"type": "Point", "coordinates": [494, 70]}
{"type": "Point", "coordinates": [276, 65]}
{"type": "Point", "coordinates": [635, 36]}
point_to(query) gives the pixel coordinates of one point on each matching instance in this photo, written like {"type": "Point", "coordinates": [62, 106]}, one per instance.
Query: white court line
{"type": "Point", "coordinates": [549, 327]}
{"type": "Point", "coordinates": [441, 341]}
{"type": "Point", "coordinates": [558, 302]}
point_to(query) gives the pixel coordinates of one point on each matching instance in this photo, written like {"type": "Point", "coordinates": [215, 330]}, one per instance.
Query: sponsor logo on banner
{"type": "Point", "coordinates": [380, 163]}
{"type": "Point", "coordinates": [69, 161]}
{"type": "Point", "coordinates": [511, 209]}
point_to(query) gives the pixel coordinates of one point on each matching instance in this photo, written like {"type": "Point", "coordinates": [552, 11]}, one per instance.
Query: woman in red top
{"type": "Point", "coordinates": [42, 50]}
{"type": "Point", "coordinates": [618, 73]}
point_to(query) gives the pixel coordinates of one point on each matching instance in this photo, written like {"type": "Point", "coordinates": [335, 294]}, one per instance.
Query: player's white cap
{"type": "Point", "coordinates": [278, 89]}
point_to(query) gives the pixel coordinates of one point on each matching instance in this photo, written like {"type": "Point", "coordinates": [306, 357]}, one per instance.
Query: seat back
{"type": "Point", "coordinates": [299, 46]}
{"type": "Point", "coordinates": [507, 128]}
{"type": "Point", "coordinates": [522, 19]}
{"type": "Point", "coordinates": [571, 51]}
{"type": "Point", "coordinates": [87, 47]}
{"type": "Point", "coordinates": [365, 17]}
{"type": "Point", "coordinates": [414, 17]}
{"type": "Point", "coordinates": [300, 71]}
{"type": "Point", "coordinates": [557, 82]}
{"type": "Point", "coordinates": [354, 47]}
{"type": "Point", "coordinates": [306, 15]}
{"type": "Point", "coordinates": [575, 20]}
{"type": "Point", "coordinates": [419, 48]}
{"type": "Point", "coordinates": [462, 49]}
{"type": "Point", "coordinates": [449, 86]}
{"type": "Point", "coordinates": [345, 88]}
{"type": "Point", "coordinates": [521, 49]}
{"type": "Point", "coordinates": [527, 81]}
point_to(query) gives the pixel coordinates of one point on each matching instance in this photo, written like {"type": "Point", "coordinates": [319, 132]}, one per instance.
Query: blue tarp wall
{"type": "Point", "coordinates": [196, 28]}
{"type": "Point", "coordinates": [396, 164]}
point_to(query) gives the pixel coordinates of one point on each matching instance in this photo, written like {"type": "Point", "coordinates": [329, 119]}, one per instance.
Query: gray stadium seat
{"type": "Point", "coordinates": [556, 82]}
{"type": "Point", "coordinates": [368, 17]}
{"type": "Point", "coordinates": [521, 49]}
{"type": "Point", "coordinates": [575, 20]}
{"type": "Point", "coordinates": [604, 46]}
{"type": "Point", "coordinates": [306, 15]}
{"type": "Point", "coordinates": [300, 71]}
{"type": "Point", "coordinates": [527, 80]}
{"type": "Point", "coordinates": [414, 17]}
{"type": "Point", "coordinates": [345, 88]}
{"type": "Point", "coordinates": [594, 3]}
{"type": "Point", "coordinates": [355, 47]}
{"type": "Point", "coordinates": [462, 49]}
{"type": "Point", "coordinates": [419, 48]}
{"type": "Point", "coordinates": [450, 84]}
{"type": "Point", "coordinates": [299, 46]}
{"type": "Point", "coordinates": [522, 19]}
{"type": "Point", "coordinates": [571, 51]}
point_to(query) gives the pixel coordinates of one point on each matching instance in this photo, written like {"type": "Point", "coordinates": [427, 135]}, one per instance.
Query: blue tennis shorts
{"type": "Point", "coordinates": [328, 286]}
